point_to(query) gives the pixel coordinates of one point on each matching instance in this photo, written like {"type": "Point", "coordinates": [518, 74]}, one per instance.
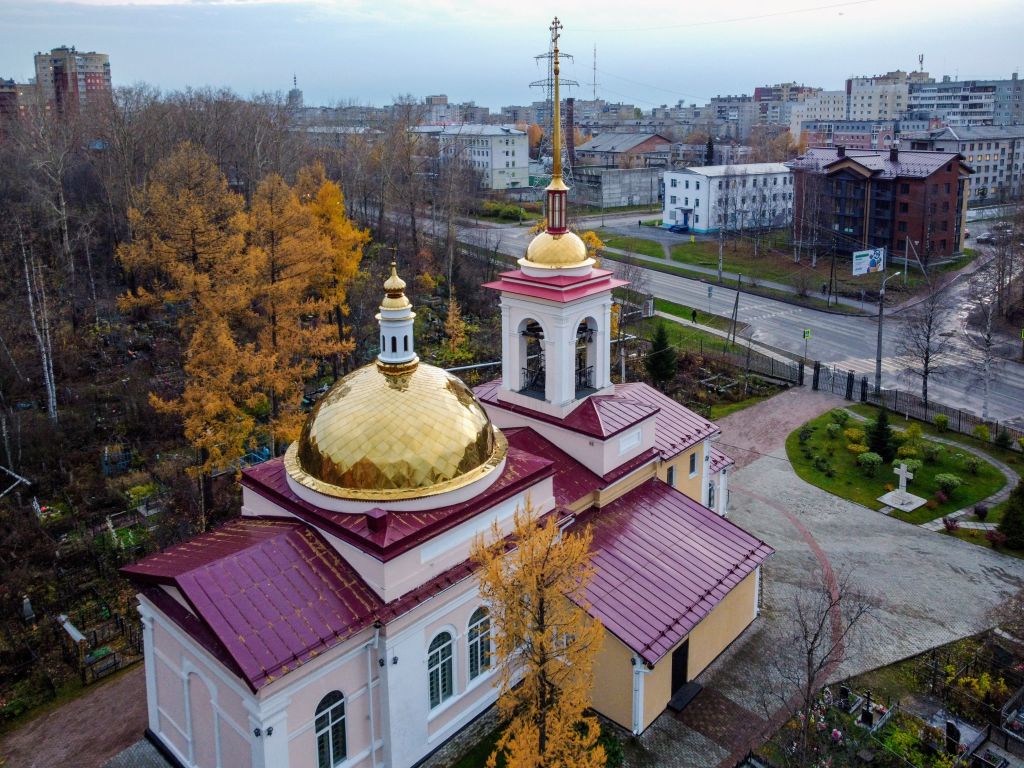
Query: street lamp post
{"type": "Point", "coordinates": [878, 351]}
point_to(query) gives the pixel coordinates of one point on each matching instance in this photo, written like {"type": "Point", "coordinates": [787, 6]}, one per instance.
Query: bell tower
{"type": "Point", "coordinates": [556, 308]}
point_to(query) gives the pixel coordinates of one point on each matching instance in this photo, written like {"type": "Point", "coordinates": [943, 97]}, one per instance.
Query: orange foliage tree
{"type": "Point", "coordinates": [545, 643]}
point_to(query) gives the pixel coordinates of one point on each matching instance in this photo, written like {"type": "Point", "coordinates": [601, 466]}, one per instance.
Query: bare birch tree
{"type": "Point", "coordinates": [923, 338]}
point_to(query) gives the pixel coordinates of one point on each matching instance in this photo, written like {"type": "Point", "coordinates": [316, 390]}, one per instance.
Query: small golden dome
{"type": "Point", "coordinates": [394, 291]}
{"type": "Point", "coordinates": [547, 250]}
{"type": "Point", "coordinates": [387, 433]}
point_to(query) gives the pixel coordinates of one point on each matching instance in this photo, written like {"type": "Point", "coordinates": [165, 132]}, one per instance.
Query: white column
{"type": "Point", "coordinates": [149, 659]}
{"type": "Point", "coordinates": [509, 350]}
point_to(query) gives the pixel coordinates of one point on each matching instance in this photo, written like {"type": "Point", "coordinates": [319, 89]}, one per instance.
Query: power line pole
{"type": "Point", "coordinates": [548, 86]}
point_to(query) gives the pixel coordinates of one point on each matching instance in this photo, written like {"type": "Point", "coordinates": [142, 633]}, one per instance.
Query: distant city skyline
{"type": "Point", "coordinates": [369, 53]}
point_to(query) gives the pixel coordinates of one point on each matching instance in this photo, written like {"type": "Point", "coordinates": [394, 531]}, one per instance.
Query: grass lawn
{"type": "Point", "coordinates": [849, 482]}
{"type": "Point", "coordinates": [721, 410]}
{"type": "Point", "coordinates": [642, 245]}
{"type": "Point", "coordinates": [978, 537]}
{"type": "Point", "coordinates": [683, 337]}
{"type": "Point", "coordinates": [703, 318]}
{"type": "Point", "coordinates": [775, 262]}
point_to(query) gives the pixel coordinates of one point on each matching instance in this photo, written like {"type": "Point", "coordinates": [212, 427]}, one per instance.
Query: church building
{"type": "Point", "coordinates": [337, 622]}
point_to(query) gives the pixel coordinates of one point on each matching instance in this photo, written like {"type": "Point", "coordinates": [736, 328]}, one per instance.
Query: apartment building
{"type": "Point", "coordinates": [729, 197]}
{"type": "Point", "coordinates": [966, 103]}
{"type": "Point", "coordinates": [69, 80]}
{"type": "Point", "coordinates": [911, 202]}
{"type": "Point", "coordinates": [858, 134]}
{"type": "Point", "coordinates": [995, 153]}
{"type": "Point", "coordinates": [499, 153]}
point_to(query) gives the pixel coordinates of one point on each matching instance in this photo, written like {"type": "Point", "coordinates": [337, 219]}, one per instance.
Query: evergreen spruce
{"type": "Point", "coordinates": [661, 362]}
{"type": "Point", "coordinates": [1012, 525]}
{"type": "Point", "coordinates": [880, 439]}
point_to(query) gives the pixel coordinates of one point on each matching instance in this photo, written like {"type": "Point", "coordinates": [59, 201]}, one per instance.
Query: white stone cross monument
{"type": "Point", "coordinates": [900, 499]}
{"type": "Point", "coordinates": [904, 475]}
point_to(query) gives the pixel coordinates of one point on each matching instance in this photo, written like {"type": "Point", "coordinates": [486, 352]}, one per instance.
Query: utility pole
{"type": "Point", "coordinates": [878, 349]}
{"type": "Point", "coordinates": [548, 85]}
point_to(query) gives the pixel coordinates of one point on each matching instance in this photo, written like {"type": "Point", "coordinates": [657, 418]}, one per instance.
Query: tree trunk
{"type": "Point", "coordinates": [37, 311]}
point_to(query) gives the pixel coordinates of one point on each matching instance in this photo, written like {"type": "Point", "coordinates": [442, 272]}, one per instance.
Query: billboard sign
{"type": "Point", "coordinates": [865, 262]}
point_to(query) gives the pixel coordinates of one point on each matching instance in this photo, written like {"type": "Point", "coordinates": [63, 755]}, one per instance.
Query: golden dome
{"type": "Point", "coordinates": [395, 432]}
{"type": "Point", "coordinates": [548, 250]}
{"type": "Point", "coordinates": [394, 291]}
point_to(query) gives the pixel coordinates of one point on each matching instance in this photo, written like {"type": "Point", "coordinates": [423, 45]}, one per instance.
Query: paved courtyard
{"type": "Point", "coordinates": [925, 589]}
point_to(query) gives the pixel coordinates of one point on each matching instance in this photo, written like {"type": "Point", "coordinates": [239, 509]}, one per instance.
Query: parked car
{"type": "Point", "coordinates": [679, 228]}
{"type": "Point", "coordinates": [986, 238]}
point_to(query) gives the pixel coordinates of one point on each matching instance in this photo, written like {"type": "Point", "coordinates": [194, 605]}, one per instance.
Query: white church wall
{"type": "Point", "coordinates": [414, 728]}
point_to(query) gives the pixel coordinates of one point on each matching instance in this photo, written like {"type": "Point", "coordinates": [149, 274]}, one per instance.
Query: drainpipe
{"type": "Point", "coordinates": [369, 691]}
{"type": "Point", "coordinates": [638, 694]}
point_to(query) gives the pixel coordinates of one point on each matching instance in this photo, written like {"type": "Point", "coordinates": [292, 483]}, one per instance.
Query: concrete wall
{"type": "Point", "coordinates": [616, 187]}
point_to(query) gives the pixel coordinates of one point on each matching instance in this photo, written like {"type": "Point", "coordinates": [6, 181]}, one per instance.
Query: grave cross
{"type": "Point", "coordinates": [904, 475]}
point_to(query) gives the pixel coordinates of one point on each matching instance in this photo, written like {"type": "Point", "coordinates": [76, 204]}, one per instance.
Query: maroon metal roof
{"type": "Point", "coordinates": [272, 593]}
{"type": "Point", "coordinates": [719, 461]}
{"type": "Point", "coordinates": [572, 480]}
{"type": "Point", "coordinates": [677, 427]}
{"type": "Point", "coordinates": [662, 562]}
{"type": "Point", "coordinates": [916, 164]}
{"type": "Point", "coordinates": [386, 534]}
{"type": "Point", "coordinates": [560, 288]}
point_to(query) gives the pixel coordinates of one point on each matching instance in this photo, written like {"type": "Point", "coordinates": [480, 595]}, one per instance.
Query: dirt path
{"type": "Point", "coordinates": [86, 732]}
{"type": "Point", "coordinates": [763, 428]}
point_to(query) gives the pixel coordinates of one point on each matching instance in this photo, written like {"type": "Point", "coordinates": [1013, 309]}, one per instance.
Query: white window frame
{"type": "Point", "coordinates": [437, 663]}
{"type": "Point", "coordinates": [693, 464]}
{"type": "Point", "coordinates": [478, 641]}
{"type": "Point", "coordinates": [326, 730]}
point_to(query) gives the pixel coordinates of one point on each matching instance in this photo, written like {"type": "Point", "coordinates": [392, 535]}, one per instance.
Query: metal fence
{"type": "Point", "coordinates": [853, 386]}
{"type": "Point", "coordinates": [752, 361]}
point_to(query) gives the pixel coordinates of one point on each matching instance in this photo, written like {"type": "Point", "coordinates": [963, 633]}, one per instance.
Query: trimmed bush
{"type": "Point", "coordinates": [1003, 440]}
{"type": "Point", "coordinates": [971, 464]}
{"type": "Point", "coordinates": [833, 430]}
{"type": "Point", "coordinates": [854, 435]}
{"type": "Point", "coordinates": [948, 482]}
{"type": "Point", "coordinates": [840, 416]}
{"type": "Point", "coordinates": [941, 422]}
{"type": "Point", "coordinates": [982, 433]}
{"type": "Point", "coordinates": [907, 451]}
{"type": "Point", "coordinates": [931, 452]}
{"type": "Point", "coordinates": [856, 448]}
{"type": "Point", "coordinates": [951, 524]}
{"type": "Point", "coordinates": [804, 434]}
{"type": "Point", "coordinates": [996, 538]}
{"type": "Point", "coordinates": [869, 463]}
{"type": "Point", "coordinates": [1012, 524]}
{"type": "Point", "coordinates": [980, 512]}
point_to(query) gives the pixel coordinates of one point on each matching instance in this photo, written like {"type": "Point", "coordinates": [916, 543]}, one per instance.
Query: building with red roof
{"type": "Point", "coordinates": [338, 620]}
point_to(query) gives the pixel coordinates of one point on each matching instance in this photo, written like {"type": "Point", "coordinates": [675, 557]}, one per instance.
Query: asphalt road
{"type": "Point", "coordinates": [841, 340]}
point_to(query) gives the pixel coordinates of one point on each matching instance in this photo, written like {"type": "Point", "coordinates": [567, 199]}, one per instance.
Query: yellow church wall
{"type": "Point", "coordinates": [612, 694]}
{"type": "Point", "coordinates": [707, 640]}
{"type": "Point", "coordinates": [691, 486]}
{"type": "Point", "coordinates": [629, 482]}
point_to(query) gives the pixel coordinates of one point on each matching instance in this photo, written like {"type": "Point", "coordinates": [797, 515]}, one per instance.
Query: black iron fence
{"type": "Point", "coordinates": [752, 361]}
{"type": "Point", "coordinates": [854, 386]}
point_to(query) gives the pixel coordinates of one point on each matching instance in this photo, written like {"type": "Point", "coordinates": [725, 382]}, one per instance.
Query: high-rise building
{"type": "Point", "coordinates": [68, 79]}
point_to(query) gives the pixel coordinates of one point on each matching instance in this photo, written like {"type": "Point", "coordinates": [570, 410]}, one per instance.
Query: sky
{"type": "Point", "coordinates": [371, 51]}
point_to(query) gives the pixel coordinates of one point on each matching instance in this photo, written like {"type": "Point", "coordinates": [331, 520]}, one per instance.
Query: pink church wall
{"type": "Point", "coordinates": [177, 664]}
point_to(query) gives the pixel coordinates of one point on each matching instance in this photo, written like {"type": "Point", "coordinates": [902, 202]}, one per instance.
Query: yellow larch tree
{"type": "Point", "coordinates": [188, 251]}
{"type": "Point", "coordinates": [456, 343]}
{"type": "Point", "coordinates": [545, 643]}
{"type": "Point", "coordinates": [188, 261]}
{"type": "Point", "coordinates": [288, 322]}
{"type": "Point", "coordinates": [326, 203]}
{"type": "Point", "coordinates": [595, 245]}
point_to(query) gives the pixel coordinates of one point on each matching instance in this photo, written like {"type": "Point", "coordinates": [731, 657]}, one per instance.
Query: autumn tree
{"type": "Point", "coordinates": [288, 257]}
{"type": "Point", "coordinates": [595, 245]}
{"type": "Point", "coordinates": [545, 643]}
{"type": "Point", "coordinates": [345, 241]}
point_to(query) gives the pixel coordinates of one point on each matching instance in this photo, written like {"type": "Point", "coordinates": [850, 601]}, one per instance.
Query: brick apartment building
{"type": "Point", "coordinates": [69, 79]}
{"type": "Point", "coordinates": [857, 199]}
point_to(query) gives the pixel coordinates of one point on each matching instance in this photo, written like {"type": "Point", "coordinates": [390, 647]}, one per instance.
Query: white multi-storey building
{"type": "Point", "coordinates": [729, 197]}
{"type": "Point", "coordinates": [499, 153]}
{"type": "Point", "coordinates": [824, 106]}
{"type": "Point", "coordinates": [995, 152]}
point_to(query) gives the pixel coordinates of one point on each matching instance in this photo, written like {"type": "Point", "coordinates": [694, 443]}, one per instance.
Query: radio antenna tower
{"type": "Point", "coordinates": [593, 81]}
{"type": "Point", "coordinates": [548, 84]}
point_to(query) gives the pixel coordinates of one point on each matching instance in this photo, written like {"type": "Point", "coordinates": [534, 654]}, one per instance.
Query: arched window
{"type": "Point", "coordinates": [440, 669]}
{"type": "Point", "coordinates": [330, 731]}
{"type": "Point", "coordinates": [711, 496]}
{"type": "Point", "coordinates": [394, 343]}
{"type": "Point", "coordinates": [405, 343]}
{"type": "Point", "coordinates": [479, 642]}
